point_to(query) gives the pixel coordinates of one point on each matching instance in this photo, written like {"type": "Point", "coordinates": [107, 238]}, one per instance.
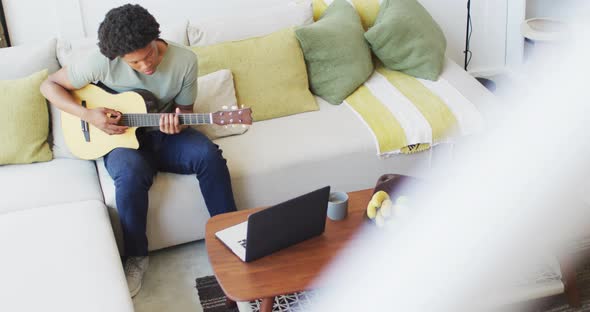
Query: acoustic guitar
{"type": "Point", "coordinates": [88, 142]}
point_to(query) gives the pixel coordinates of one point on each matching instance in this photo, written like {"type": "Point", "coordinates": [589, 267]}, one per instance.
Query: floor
{"type": "Point", "coordinates": [169, 284]}
{"type": "Point", "coordinates": [499, 84]}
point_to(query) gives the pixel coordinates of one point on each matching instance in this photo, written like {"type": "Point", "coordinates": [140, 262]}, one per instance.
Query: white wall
{"type": "Point", "coordinates": [488, 40]}
{"type": "Point", "coordinates": [35, 20]}
{"type": "Point", "coordinates": [552, 8]}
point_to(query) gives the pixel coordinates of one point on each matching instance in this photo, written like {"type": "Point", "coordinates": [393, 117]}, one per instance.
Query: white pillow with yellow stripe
{"type": "Point", "coordinates": [407, 114]}
{"type": "Point", "coordinates": [367, 9]}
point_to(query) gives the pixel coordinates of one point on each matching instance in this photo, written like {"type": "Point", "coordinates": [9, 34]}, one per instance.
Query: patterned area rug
{"type": "Point", "coordinates": [559, 303]}
{"type": "Point", "coordinates": [213, 299]}
{"type": "Point", "coordinates": [211, 296]}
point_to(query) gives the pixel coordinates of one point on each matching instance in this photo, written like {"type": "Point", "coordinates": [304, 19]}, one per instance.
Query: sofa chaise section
{"type": "Point", "coordinates": [61, 258]}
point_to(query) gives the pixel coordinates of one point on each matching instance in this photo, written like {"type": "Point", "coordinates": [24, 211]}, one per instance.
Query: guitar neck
{"type": "Point", "coordinates": [153, 120]}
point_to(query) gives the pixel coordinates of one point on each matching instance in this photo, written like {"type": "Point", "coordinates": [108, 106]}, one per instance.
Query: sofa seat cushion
{"type": "Point", "coordinates": [49, 183]}
{"type": "Point", "coordinates": [280, 158]}
{"type": "Point", "coordinates": [176, 213]}
{"type": "Point", "coordinates": [61, 258]}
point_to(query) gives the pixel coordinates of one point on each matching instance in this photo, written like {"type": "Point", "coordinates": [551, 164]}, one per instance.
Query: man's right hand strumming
{"type": "Point", "coordinates": [106, 120]}
{"type": "Point", "coordinates": [56, 89]}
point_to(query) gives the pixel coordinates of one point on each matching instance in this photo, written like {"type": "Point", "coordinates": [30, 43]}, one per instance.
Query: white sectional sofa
{"type": "Point", "coordinates": [58, 250]}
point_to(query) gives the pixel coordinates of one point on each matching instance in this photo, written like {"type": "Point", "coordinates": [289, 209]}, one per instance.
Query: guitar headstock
{"type": "Point", "coordinates": [242, 116]}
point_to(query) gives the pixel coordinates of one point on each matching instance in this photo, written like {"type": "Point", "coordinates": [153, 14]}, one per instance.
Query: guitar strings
{"type": "Point", "coordinates": [145, 120]}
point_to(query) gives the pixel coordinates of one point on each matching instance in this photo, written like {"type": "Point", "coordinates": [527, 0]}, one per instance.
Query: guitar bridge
{"type": "Point", "coordinates": [85, 128]}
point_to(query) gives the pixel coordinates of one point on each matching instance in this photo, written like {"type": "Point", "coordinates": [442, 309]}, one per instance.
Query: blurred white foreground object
{"type": "Point", "coordinates": [506, 204]}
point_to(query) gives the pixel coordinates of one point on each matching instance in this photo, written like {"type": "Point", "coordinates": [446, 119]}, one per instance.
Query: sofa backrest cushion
{"type": "Point", "coordinates": [269, 73]}
{"type": "Point", "coordinates": [249, 23]}
{"type": "Point", "coordinates": [68, 50]}
{"type": "Point", "coordinates": [24, 60]}
{"type": "Point", "coordinates": [24, 120]}
{"type": "Point", "coordinates": [337, 56]}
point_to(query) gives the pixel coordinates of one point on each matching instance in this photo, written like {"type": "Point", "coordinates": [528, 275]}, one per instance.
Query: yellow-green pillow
{"type": "Point", "coordinates": [269, 73]}
{"type": "Point", "coordinates": [24, 121]}
{"type": "Point", "coordinates": [367, 10]}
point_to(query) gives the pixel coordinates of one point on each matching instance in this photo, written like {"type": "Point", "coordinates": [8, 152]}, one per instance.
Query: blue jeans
{"type": "Point", "coordinates": [189, 152]}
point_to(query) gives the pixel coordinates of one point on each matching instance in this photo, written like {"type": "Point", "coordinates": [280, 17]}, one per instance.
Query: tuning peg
{"type": "Point", "coordinates": [224, 107]}
{"type": "Point", "coordinates": [225, 127]}
{"type": "Point", "coordinates": [234, 107]}
{"type": "Point", "coordinates": [243, 126]}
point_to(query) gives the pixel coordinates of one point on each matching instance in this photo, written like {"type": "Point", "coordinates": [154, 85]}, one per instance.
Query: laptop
{"type": "Point", "coordinates": [279, 226]}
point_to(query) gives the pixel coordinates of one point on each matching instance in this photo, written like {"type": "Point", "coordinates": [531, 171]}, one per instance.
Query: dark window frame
{"type": "Point", "coordinates": [4, 26]}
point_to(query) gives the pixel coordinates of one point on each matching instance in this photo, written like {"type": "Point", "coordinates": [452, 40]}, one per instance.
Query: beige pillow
{"type": "Point", "coordinates": [269, 73]}
{"type": "Point", "coordinates": [24, 120]}
{"type": "Point", "coordinates": [215, 91]}
{"type": "Point", "coordinates": [74, 50]}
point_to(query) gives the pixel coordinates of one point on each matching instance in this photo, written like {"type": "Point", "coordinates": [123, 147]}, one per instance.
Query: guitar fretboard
{"type": "Point", "coordinates": [153, 120]}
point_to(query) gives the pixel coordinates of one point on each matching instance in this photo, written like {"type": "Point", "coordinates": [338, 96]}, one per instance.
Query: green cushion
{"type": "Point", "coordinates": [406, 38]}
{"type": "Point", "coordinates": [269, 73]}
{"type": "Point", "coordinates": [24, 120]}
{"type": "Point", "coordinates": [337, 56]}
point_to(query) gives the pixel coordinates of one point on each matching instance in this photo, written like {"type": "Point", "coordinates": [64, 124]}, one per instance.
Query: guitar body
{"type": "Point", "coordinates": [101, 143]}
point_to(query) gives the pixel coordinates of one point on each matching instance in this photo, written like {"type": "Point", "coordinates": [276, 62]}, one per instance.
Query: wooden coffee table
{"type": "Point", "coordinates": [290, 270]}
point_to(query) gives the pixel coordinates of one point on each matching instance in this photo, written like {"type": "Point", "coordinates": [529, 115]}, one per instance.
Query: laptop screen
{"type": "Point", "coordinates": [287, 223]}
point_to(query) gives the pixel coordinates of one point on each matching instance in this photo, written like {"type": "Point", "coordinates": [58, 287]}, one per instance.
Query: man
{"type": "Point", "coordinates": [132, 56]}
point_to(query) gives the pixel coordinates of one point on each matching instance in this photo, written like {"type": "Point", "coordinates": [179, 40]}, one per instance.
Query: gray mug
{"type": "Point", "coordinates": [337, 206]}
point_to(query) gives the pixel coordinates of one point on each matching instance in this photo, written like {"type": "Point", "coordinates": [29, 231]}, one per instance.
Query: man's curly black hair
{"type": "Point", "coordinates": [126, 29]}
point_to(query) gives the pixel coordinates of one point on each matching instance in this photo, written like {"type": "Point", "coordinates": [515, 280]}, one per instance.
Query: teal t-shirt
{"type": "Point", "coordinates": [174, 81]}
